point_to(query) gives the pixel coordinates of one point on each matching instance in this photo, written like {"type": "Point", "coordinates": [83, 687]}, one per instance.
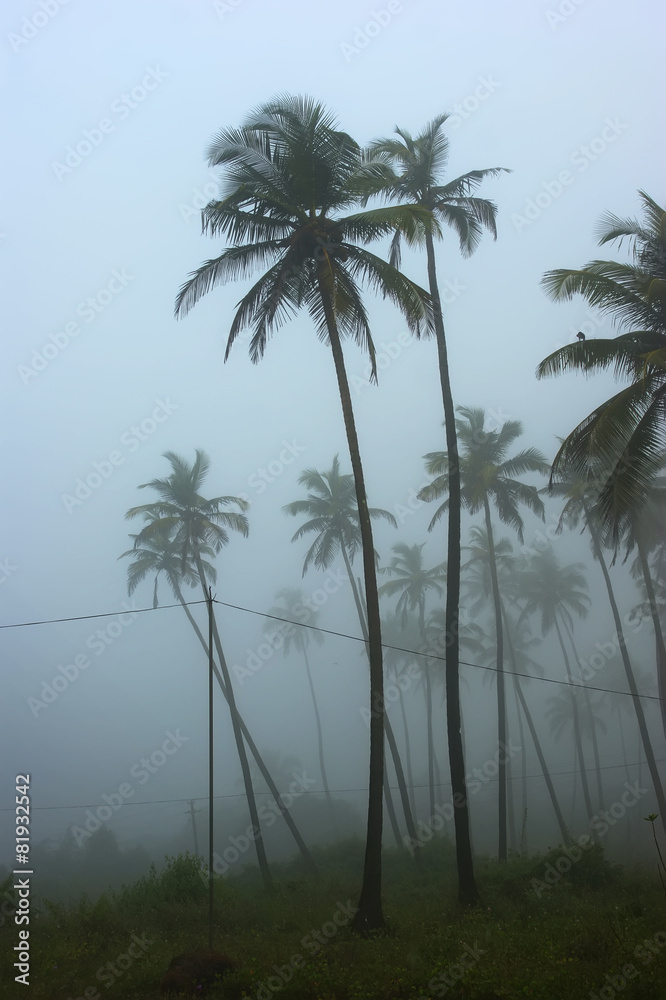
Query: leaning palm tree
{"type": "Point", "coordinates": [555, 594]}
{"type": "Point", "coordinates": [411, 169]}
{"type": "Point", "coordinates": [289, 602]}
{"type": "Point", "coordinates": [291, 179]}
{"type": "Point", "coordinates": [486, 474]}
{"type": "Point", "coordinates": [332, 516]}
{"type": "Point", "coordinates": [411, 582]}
{"type": "Point", "coordinates": [581, 507]}
{"type": "Point", "coordinates": [195, 525]}
{"type": "Point", "coordinates": [621, 443]}
{"type": "Point", "coordinates": [158, 553]}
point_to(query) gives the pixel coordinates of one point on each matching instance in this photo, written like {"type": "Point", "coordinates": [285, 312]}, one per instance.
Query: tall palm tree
{"type": "Point", "coordinates": [486, 474]}
{"type": "Point", "coordinates": [647, 533]}
{"type": "Point", "coordinates": [195, 523]}
{"type": "Point", "coordinates": [159, 554]}
{"type": "Point", "coordinates": [581, 508]}
{"type": "Point", "coordinates": [289, 601]}
{"type": "Point", "coordinates": [412, 582]}
{"type": "Point", "coordinates": [291, 178]}
{"type": "Point", "coordinates": [620, 444]}
{"type": "Point", "coordinates": [332, 515]}
{"type": "Point", "coordinates": [555, 594]}
{"type": "Point", "coordinates": [412, 168]}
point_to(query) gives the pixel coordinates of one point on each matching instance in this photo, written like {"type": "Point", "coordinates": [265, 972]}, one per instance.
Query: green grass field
{"type": "Point", "coordinates": [547, 927]}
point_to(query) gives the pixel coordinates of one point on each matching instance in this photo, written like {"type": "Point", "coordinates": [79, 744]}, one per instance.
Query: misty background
{"type": "Point", "coordinates": [95, 365]}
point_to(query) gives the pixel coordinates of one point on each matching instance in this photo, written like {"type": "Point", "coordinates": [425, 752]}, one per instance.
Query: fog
{"type": "Point", "coordinates": [108, 111]}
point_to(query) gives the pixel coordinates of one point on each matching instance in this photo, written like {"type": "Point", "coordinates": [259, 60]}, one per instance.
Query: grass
{"type": "Point", "coordinates": [547, 927]}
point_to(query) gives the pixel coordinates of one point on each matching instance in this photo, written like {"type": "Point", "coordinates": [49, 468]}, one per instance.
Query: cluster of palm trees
{"type": "Point", "coordinates": [295, 204]}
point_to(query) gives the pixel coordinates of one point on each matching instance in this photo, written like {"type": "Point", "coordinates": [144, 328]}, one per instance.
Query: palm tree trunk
{"type": "Point", "coordinates": [566, 838]}
{"type": "Point", "coordinates": [390, 808]}
{"type": "Point", "coordinates": [467, 889]}
{"type": "Point", "coordinates": [320, 743]}
{"type": "Point", "coordinates": [240, 746]}
{"type": "Point", "coordinates": [408, 751]}
{"type": "Point", "coordinates": [302, 846]}
{"type": "Point", "coordinates": [658, 633]}
{"type": "Point", "coordinates": [631, 680]}
{"type": "Point", "coordinates": [576, 728]}
{"type": "Point", "coordinates": [501, 695]}
{"type": "Point", "coordinates": [592, 723]}
{"type": "Point", "coordinates": [523, 772]}
{"type": "Point", "coordinates": [369, 915]}
{"type": "Point", "coordinates": [390, 736]}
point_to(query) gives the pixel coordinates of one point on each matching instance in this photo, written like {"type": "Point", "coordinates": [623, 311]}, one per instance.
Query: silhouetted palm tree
{"type": "Point", "coordinates": [487, 474]}
{"type": "Point", "coordinates": [292, 177]}
{"type": "Point", "coordinates": [412, 583]}
{"type": "Point", "coordinates": [411, 168]}
{"type": "Point", "coordinates": [620, 444]}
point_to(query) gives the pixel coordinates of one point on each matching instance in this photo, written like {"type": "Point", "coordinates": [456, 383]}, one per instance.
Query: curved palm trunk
{"type": "Point", "coordinates": [592, 723]}
{"type": "Point", "coordinates": [390, 809]}
{"type": "Point", "coordinates": [369, 915]}
{"type": "Point", "coordinates": [523, 771]}
{"type": "Point", "coordinates": [320, 743]}
{"type": "Point", "coordinates": [467, 888]}
{"type": "Point", "coordinates": [240, 746]}
{"type": "Point", "coordinates": [576, 727]}
{"type": "Point", "coordinates": [408, 751]}
{"type": "Point", "coordinates": [658, 632]}
{"type": "Point", "coordinates": [293, 829]}
{"type": "Point", "coordinates": [631, 680]}
{"type": "Point", "coordinates": [390, 737]}
{"type": "Point", "coordinates": [501, 695]}
{"type": "Point", "coordinates": [428, 705]}
{"type": "Point", "coordinates": [566, 838]}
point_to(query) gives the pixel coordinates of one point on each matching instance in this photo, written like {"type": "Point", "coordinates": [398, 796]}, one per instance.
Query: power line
{"type": "Point", "coordinates": [341, 635]}
{"type": "Point", "coordinates": [339, 791]}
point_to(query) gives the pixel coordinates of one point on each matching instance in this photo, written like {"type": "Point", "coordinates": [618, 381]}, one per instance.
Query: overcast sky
{"type": "Point", "coordinates": [108, 110]}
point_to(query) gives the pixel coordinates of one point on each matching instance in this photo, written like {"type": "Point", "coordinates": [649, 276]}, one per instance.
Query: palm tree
{"type": "Point", "coordinates": [646, 534]}
{"type": "Point", "coordinates": [620, 444]}
{"type": "Point", "coordinates": [487, 474]}
{"type": "Point", "coordinates": [195, 524]}
{"type": "Point", "coordinates": [412, 168]}
{"type": "Point", "coordinates": [159, 554]}
{"type": "Point", "coordinates": [332, 515]}
{"type": "Point", "coordinates": [289, 600]}
{"type": "Point", "coordinates": [556, 593]}
{"type": "Point", "coordinates": [291, 177]}
{"type": "Point", "coordinates": [412, 583]}
{"type": "Point", "coordinates": [581, 507]}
